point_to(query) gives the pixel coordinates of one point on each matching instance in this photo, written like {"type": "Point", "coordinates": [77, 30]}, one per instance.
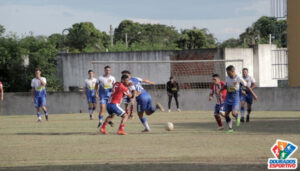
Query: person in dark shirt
{"type": "Point", "coordinates": [172, 89]}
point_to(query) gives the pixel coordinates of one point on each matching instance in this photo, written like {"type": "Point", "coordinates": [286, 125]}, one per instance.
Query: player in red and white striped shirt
{"type": "Point", "coordinates": [215, 89]}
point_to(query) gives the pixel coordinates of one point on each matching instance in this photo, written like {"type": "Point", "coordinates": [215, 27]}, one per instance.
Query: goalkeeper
{"type": "Point", "coordinates": [172, 90]}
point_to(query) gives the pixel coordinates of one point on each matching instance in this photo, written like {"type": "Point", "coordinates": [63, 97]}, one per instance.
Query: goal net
{"type": "Point", "coordinates": [190, 74]}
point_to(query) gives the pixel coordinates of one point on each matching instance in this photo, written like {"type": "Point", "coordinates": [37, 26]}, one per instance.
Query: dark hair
{"type": "Point", "coordinates": [38, 69]}
{"type": "Point", "coordinates": [125, 72]}
{"type": "Point", "coordinates": [107, 67]}
{"type": "Point", "coordinates": [215, 75]}
{"type": "Point", "coordinates": [171, 77]}
{"type": "Point", "coordinates": [90, 71]}
{"type": "Point", "coordinates": [230, 68]}
{"type": "Point", "coordinates": [124, 77]}
{"type": "Point", "coordinates": [245, 69]}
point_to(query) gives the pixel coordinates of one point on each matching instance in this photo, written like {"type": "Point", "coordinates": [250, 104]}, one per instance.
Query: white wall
{"type": "Point", "coordinates": [263, 59]}
{"type": "Point", "coordinates": [258, 61]}
{"type": "Point", "coordinates": [246, 54]}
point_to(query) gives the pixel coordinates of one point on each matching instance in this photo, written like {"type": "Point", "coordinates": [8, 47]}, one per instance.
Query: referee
{"type": "Point", "coordinates": [172, 90]}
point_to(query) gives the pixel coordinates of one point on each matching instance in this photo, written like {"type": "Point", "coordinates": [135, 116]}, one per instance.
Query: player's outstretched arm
{"type": "Point", "coordinates": [252, 92]}
{"type": "Point", "coordinates": [148, 81]}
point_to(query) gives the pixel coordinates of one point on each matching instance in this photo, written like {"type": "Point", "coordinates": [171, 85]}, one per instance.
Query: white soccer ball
{"type": "Point", "coordinates": [169, 126]}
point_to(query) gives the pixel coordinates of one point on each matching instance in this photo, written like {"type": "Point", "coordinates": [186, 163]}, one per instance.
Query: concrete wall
{"type": "Point", "coordinates": [190, 99]}
{"type": "Point", "coordinates": [246, 54]}
{"type": "Point", "coordinates": [73, 68]}
{"type": "Point", "coordinates": [263, 66]}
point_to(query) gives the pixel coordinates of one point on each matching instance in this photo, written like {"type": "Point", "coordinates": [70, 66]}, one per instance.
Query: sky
{"type": "Point", "coordinates": [224, 18]}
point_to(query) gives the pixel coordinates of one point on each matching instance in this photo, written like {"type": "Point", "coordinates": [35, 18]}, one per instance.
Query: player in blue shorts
{"type": "Point", "coordinates": [103, 87]}
{"type": "Point", "coordinates": [232, 101]}
{"type": "Point", "coordinates": [143, 99]}
{"type": "Point", "coordinates": [90, 93]}
{"type": "Point", "coordinates": [131, 101]}
{"type": "Point", "coordinates": [246, 96]}
{"type": "Point", "coordinates": [39, 94]}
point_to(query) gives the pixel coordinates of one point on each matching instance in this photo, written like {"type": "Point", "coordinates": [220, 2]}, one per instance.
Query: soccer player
{"type": "Point", "coordinates": [103, 86]}
{"type": "Point", "coordinates": [246, 96]}
{"type": "Point", "coordinates": [113, 107]}
{"type": "Point", "coordinates": [131, 101]}
{"type": "Point", "coordinates": [143, 99]}
{"type": "Point", "coordinates": [39, 94]}
{"type": "Point", "coordinates": [232, 101]}
{"type": "Point", "coordinates": [215, 89]}
{"type": "Point", "coordinates": [2, 92]}
{"type": "Point", "coordinates": [90, 92]}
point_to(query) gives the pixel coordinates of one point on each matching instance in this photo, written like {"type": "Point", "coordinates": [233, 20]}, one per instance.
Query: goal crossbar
{"type": "Point", "coordinates": [177, 61]}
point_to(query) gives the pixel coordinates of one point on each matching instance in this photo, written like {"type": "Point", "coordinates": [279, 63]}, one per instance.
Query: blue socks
{"type": "Point", "coordinates": [38, 115]}
{"type": "Point", "coordinates": [100, 118]}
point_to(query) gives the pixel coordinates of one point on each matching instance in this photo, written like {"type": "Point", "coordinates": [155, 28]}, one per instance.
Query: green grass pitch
{"type": "Point", "coordinates": [72, 141]}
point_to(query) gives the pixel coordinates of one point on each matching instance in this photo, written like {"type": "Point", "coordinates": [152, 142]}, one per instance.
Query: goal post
{"type": "Point", "coordinates": [190, 74]}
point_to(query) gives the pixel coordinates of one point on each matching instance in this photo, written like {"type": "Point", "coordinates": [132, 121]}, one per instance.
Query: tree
{"type": "Point", "coordinates": [260, 31]}
{"type": "Point", "coordinates": [2, 30]}
{"type": "Point", "coordinates": [146, 36]}
{"type": "Point", "coordinates": [231, 43]}
{"type": "Point", "coordinates": [195, 39]}
{"type": "Point", "coordinates": [15, 73]}
{"type": "Point", "coordinates": [84, 37]}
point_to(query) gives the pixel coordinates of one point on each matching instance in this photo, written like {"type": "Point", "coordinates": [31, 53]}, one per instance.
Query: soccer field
{"type": "Point", "coordinates": [72, 141]}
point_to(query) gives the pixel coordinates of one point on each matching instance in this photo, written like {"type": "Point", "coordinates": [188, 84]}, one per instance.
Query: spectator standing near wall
{"type": "Point", "coordinates": [172, 90]}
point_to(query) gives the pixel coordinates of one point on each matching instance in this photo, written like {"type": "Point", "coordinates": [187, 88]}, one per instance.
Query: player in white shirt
{"type": "Point", "coordinates": [246, 96]}
{"type": "Point", "coordinates": [90, 92]}
{"type": "Point", "coordinates": [103, 87]}
{"type": "Point", "coordinates": [39, 94]}
{"type": "Point", "coordinates": [232, 101]}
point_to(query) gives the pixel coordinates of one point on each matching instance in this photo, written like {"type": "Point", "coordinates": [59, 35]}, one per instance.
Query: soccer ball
{"type": "Point", "coordinates": [169, 126]}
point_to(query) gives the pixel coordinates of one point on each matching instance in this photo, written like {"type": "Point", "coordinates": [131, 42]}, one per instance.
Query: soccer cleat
{"type": "Point", "coordinates": [242, 119]}
{"type": "Point", "coordinates": [169, 110]}
{"type": "Point", "coordinates": [99, 124]}
{"type": "Point", "coordinates": [103, 131]}
{"type": "Point", "coordinates": [121, 132]}
{"type": "Point", "coordinates": [46, 116]}
{"type": "Point", "coordinates": [220, 128]}
{"type": "Point", "coordinates": [160, 107]}
{"type": "Point", "coordinates": [248, 118]}
{"type": "Point", "coordinates": [230, 131]}
{"type": "Point", "coordinates": [146, 130]}
{"type": "Point", "coordinates": [39, 120]}
{"type": "Point", "coordinates": [178, 110]}
{"type": "Point", "coordinates": [91, 117]}
{"type": "Point", "coordinates": [111, 123]}
{"type": "Point", "coordinates": [238, 121]}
